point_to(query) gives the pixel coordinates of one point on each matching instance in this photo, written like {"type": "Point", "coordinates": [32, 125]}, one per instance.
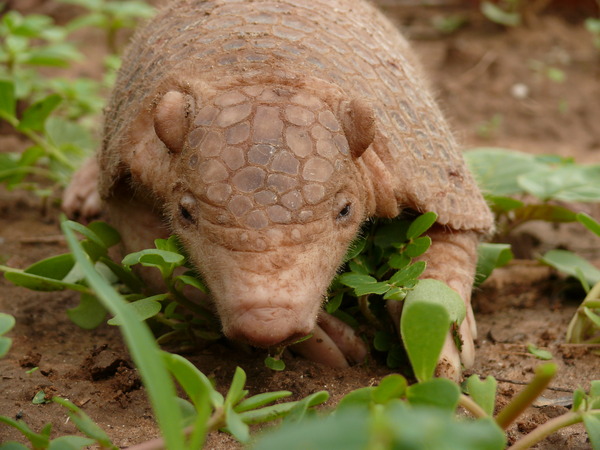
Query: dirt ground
{"type": "Point", "coordinates": [493, 86]}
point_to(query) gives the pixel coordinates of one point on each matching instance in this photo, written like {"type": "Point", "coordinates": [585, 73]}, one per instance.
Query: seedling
{"type": "Point", "coordinates": [506, 12]}
{"type": "Point", "coordinates": [41, 440]}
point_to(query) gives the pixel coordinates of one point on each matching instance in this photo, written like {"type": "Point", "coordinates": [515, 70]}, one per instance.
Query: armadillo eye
{"type": "Point", "coordinates": [186, 206]}
{"type": "Point", "coordinates": [345, 212]}
{"type": "Point", "coordinates": [185, 214]}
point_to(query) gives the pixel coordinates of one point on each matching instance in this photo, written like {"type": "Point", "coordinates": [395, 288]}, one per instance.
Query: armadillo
{"type": "Point", "coordinates": [263, 134]}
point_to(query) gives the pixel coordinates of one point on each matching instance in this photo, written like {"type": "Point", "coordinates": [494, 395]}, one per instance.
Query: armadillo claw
{"type": "Point", "coordinates": [81, 198]}
{"type": "Point", "coordinates": [333, 343]}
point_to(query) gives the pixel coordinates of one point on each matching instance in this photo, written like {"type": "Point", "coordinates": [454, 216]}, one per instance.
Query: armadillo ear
{"type": "Point", "coordinates": [358, 120]}
{"type": "Point", "coordinates": [172, 117]}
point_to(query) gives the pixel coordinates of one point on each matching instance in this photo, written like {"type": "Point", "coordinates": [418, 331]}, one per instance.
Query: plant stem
{"type": "Point", "coordinates": [547, 429]}
{"type": "Point", "coordinates": [468, 403]}
{"type": "Point", "coordinates": [50, 149]}
{"type": "Point", "coordinates": [541, 380]}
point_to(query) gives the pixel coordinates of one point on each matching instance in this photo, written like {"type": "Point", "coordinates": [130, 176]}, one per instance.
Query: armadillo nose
{"type": "Point", "coordinates": [267, 327]}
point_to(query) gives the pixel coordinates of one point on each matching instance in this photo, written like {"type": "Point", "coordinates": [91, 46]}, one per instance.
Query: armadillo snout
{"type": "Point", "coordinates": [267, 327]}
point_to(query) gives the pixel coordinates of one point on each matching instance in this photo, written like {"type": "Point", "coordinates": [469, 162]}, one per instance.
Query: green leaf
{"type": "Point", "coordinates": [8, 102]}
{"type": "Point", "coordinates": [12, 445]}
{"type": "Point", "coordinates": [396, 293]}
{"type": "Point", "coordinates": [439, 392]}
{"type": "Point", "coordinates": [592, 426]}
{"type": "Point", "coordinates": [334, 303]}
{"type": "Point", "coordinates": [589, 223]}
{"type": "Point", "coordinates": [39, 283]}
{"type": "Point", "coordinates": [56, 55]}
{"type": "Point", "coordinates": [418, 246]}
{"type": "Point", "coordinates": [260, 400]}
{"type": "Point", "coordinates": [428, 311]}
{"type": "Point", "coordinates": [363, 284]}
{"type": "Point", "coordinates": [439, 293]}
{"type": "Point", "coordinates": [395, 426]}
{"type": "Point", "coordinates": [70, 443]}
{"type": "Point", "coordinates": [491, 256]}
{"type": "Point", "coordinates": [578, 396]}
{"type": "Point", "coordinates": [89, 314]}
{"type": "Point", "coordinates": [569, 263]}
{"type": "Point", "coordinates": [143, 309]}
{"type": "Point", "coordinates": [391, 234]}
{"type": "Point", "coordinates": [236, 426]}
{"type": "Point", "coordinates": [34, 117]}
{"type": "Point", "coordinates": [142, 347]}
{"type": "Point", "coordinates": [236, 391]}
{"type": "Point", "coordinates": [192, 281]}
{"type": "Point", "coordinates": [64, 133]}
{"type": "Point", "coordinates": [390, 387]}
{"type": "Point", "coordinates": [399, 260]}
{"type": "Point", "coordinates": [593, 317]}
{"type": "Point", "coordinates": [153, 257]}
{"type": "Point", "coordinates": [483, 392]}
{"type": "Point", "coordinates": [273, 412]}
{"type": "Point", "coordinates": [298, 412]}
{"type": "Point", "coordinates": [408, 274]}
{"type": "Point", "coordinates": [39, 398]}
{"type": "Point", "coordinates": [423, 328]}
{"type": "Point", "coordinates": [355, 280]}
{"type": "Point", "coordinates": [86, 425]}
{"type": "Point", "coordinates": [355, 248]}
{"type": "Point", "coordinates": [496, 170]}
{"type": "Point", "coordinates": [7, 322]}
{"type": "Point", "coordinates": [358, 397]}
{"type": "Point", "coordinates": [500, 204]}
{"type": "Point", "coordinates": [195, 384]}
{"type": "Point", "coordinates": [420, 225]}
{"type": "Point", "coordinates": [124, 274]}
{"type": "Point", "coordinates": [379, 288]}
{"type": "Point", "coordinates": [545, 212]}
{"type": "Point", "coordinates": [538, 353]}
{"type": "Point", "coordinates": [570, 183]}
{"type": "Point", "coordinates": [347, 430]}
{"type": "Point", "coordinates": [494, 13]}
{"type": "Point", "coordinates": [37, 440]}
{"type": "Point", "coordinates": [274, 363]}
{"type": "Point", "coordinates": [55, 267]}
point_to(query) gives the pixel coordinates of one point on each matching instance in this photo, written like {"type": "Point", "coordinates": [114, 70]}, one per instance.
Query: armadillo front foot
{"type": "Point", "coordinates": [333, 343]}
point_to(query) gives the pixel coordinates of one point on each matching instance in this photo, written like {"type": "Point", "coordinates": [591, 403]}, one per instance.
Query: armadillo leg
{"type": "Point", "coordinates": [81, 198]}
{"type": "Point", "coordinates": [452, 259]}
{"type": "Point", "coordinates": [334, 343]}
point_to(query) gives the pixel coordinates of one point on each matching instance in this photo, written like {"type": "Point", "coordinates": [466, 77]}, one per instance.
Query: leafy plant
{"type": "Point", "coordinates": [41, 440]}
{"type": "Point", "coordinates": [110, 16]}
{"type": "Point", "coordinates": [395, 415]}
{"type": "Point", "coordinates": [28, 42]}
{"type": "Point", "coordinates": [58, 145]}
{"type": "Point", "coordinates": [180, 319]}
{"type": "Point", "coordinates": [521, 187]}
{"type": "Point", "coordinates": [59, 114]}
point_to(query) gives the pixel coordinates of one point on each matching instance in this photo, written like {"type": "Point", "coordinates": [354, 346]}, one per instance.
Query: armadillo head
{"type": "Point", "coordinates": [268, 196]}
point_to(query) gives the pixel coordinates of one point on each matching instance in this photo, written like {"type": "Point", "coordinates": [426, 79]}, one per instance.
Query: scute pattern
{"type": "Point", "coordinates": [253, 176]}
{"type": "Point", "coordinates": [347, 43]}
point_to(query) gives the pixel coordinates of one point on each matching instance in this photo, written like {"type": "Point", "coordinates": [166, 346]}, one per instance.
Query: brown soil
{"type": "Point", "coordinates": [478, 73]}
